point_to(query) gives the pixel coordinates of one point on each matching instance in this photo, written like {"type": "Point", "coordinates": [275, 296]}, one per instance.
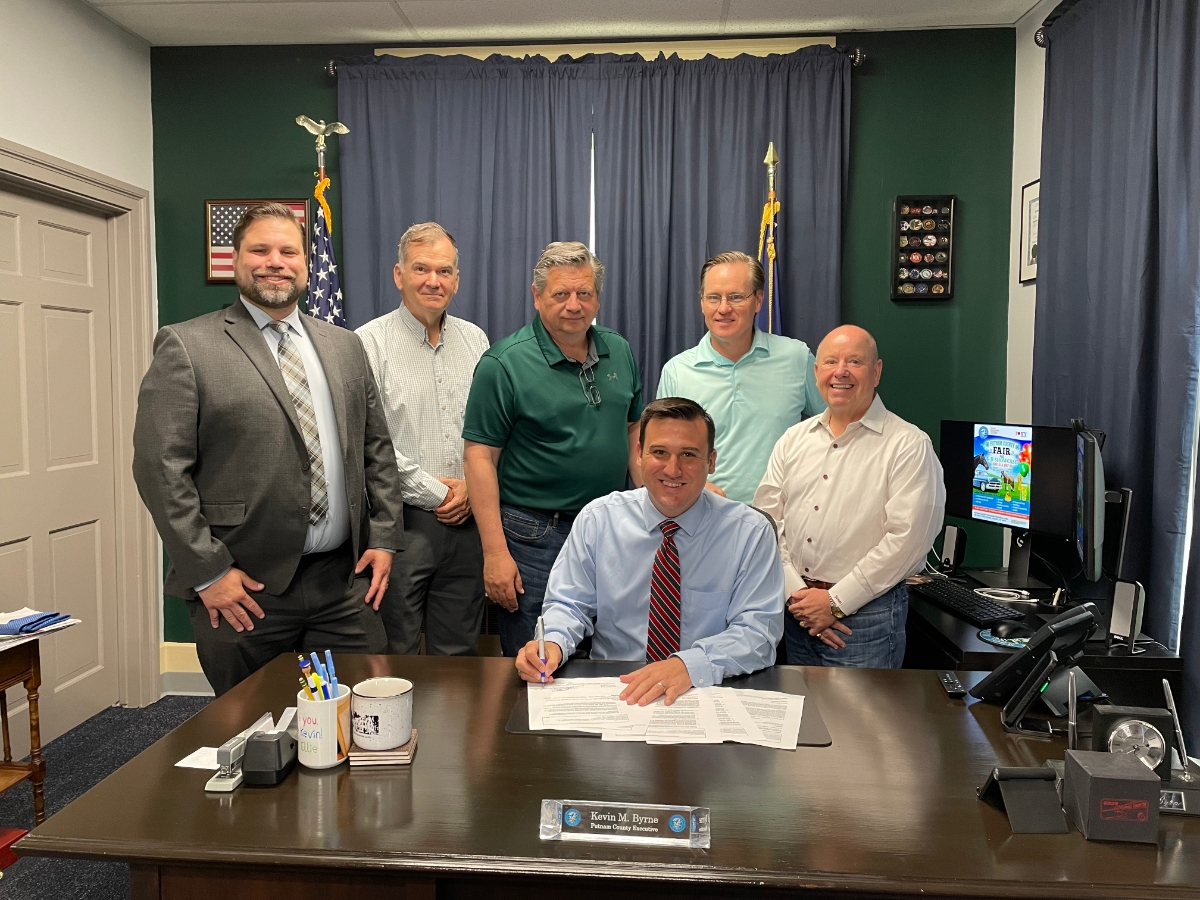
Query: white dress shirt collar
{"type": "Point", "coordinates": [873, 418]}
{"type": "Point", "coordinates": [262, 318]}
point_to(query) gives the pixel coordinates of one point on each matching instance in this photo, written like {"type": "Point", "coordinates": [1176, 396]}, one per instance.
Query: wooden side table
{"type": "Point", "coordinates": [21, 664]}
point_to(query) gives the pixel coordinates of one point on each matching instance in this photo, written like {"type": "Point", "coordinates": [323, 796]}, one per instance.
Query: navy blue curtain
{"type": "Point", "coordinates": [1118, 292]}
{"type": "Point", "coordinates": [496, 151]}
{"type": "Point", "coordinates": [680, 177]}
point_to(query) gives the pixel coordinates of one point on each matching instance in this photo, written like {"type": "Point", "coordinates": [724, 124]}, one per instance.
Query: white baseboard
{"type": "Point", "coordinates": [181, 672]}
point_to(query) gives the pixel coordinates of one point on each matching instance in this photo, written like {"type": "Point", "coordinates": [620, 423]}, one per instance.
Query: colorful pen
{"type": "Point", "coordinates": [323, 678]}
{"type": "Point", "coordinates": [541, 639]}
{"type": "Point", "coordinates": [333, 682]}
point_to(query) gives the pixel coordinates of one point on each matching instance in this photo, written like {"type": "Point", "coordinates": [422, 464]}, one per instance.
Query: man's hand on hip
{"type": "Point", "coordinates": [456, 507]}
{"type": "Point", "coordinates": [502, 580]}
{"type": "Point", "coordinates": [668, 677]}
{"type": "Point", "coordinates": [380, 562]}
{"type": "Point", "coordinates": [530, 666]}
{"type": "Point", "coordinates": [227, 597]}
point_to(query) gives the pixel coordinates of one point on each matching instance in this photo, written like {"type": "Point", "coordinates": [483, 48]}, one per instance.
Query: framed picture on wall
{"type": "Point", "coordinates": [220, 217]}
{"type": "Point", "coordinates": [1029, 231]}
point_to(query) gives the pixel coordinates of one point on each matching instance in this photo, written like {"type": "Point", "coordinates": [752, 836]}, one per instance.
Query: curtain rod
{"type": "Point", "coordinates": [856, 54]}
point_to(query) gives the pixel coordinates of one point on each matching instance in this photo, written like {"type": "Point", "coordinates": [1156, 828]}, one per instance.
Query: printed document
{"type": "Point", "coordinates": [701, 716]}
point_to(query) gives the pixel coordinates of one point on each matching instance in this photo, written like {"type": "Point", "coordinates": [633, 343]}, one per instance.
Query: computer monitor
{"type": "Point", "coordinates": [1089, 504]}
{"type": "Point", "coordinates": [1019, 476]}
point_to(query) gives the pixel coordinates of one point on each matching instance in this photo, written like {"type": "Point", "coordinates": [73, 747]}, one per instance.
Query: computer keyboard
{"type": "Point", "coordinates": [965, 603]}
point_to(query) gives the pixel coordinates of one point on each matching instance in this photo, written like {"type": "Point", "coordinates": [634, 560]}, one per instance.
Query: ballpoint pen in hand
{"type": "Point", "coordinates": [541, 639]}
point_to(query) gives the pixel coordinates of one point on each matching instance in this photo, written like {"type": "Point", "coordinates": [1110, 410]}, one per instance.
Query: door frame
{"type": "Point", "coordinates": [131, 325]}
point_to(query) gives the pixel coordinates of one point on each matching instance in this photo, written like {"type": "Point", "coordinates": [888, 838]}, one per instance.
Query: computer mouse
{"type": "Point", "coordinates": [1012, 629]}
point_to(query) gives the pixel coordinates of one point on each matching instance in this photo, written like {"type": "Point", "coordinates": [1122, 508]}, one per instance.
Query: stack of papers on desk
{"type": "Point", "coordinates": [701, 716]}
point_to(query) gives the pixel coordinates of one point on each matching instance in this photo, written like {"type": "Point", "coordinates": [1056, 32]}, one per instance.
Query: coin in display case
{"type": "Point", "coordinates": [903, 241]}
{"type": "Point", "coordinates": [943, 241]}
{"type": "Point", "coordinates": [926, 274]}
{"type": "Point", "coordinates": [915, 257]}
{"type": "Point", "coordinates": [907, 288]}
{"type": "Point", "coordinates": [941, 256]}
{"type": "Point", "coordinates": [904, 225]}
{"type": "Point", "coordinates": [914, 224]}
{"type": "Point", "coordinates": [939, 289]}
{"type": "Point", "coordinates": [929, 224]}
{"type": "Point", "coordinates": [926, 210]}
{"type": "Point", "coordinates": [922, 288]}
{"type": "Point", "coordinates": [943, 225]}
{"type": "Point", "coordinates": [929, 240]}
{"type": "Point", "coordinates": [903, 274]}
{"type": "Point", "coordinates": [903, 258]}
{"type": "Point", "coordinates": [904, 210]}
{"type": "Point", "coordinates": [939, 273]}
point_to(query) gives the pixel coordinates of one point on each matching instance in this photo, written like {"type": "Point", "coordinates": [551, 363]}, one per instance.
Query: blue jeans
{"type": "Point", "coordinates": [877, 641]}
{"type": "Point", "coordinates": [534, 541]}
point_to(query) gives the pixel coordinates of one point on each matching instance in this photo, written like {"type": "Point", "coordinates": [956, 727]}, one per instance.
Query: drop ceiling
{"type": "Point", "coordinates": [396, 22]}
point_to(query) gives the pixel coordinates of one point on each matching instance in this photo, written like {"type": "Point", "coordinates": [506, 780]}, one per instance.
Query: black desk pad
{"type": "Point", "coordinates": [785, 679]}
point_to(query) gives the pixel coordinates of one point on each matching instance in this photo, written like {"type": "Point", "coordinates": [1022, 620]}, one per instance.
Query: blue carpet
{"type": "Point", "coordinates": [75, 762]}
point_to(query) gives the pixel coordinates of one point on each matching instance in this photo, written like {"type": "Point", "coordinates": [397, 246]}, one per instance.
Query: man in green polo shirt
{"type": "Point", "coordinates": [755, 385]}
{"type": "Point", "coordinates": [551, 424]}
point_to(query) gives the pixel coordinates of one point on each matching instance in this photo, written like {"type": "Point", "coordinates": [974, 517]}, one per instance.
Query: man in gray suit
{"type": "Point", "coordinates": [263, 455]}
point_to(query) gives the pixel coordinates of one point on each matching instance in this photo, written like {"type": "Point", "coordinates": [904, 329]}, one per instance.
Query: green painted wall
{"type": "Point", "coordinates": [224, 128]}
{"type": "Point", "coordinates": [932, 113]}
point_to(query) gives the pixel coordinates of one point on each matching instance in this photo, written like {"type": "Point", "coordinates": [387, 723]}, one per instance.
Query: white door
{"type": "Point", "coordinates": [57, 486]}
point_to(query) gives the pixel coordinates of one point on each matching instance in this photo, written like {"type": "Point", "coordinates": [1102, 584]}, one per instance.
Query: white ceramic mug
{"type": "Point", "coordinates": [381, 710]}
{"type": "Point", "coordinates": [323, 729]}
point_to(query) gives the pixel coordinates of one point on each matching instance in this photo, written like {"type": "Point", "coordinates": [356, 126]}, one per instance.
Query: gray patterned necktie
{"type": "Point", "coordinates": [292, 367]}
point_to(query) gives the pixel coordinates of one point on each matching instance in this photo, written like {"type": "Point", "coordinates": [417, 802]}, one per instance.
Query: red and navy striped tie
{"type": "Point", "coordinates": [662, 635]}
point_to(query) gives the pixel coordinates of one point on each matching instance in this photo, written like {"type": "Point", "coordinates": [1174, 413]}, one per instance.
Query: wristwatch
{"type": "Point", "coordinates": [836, 608]}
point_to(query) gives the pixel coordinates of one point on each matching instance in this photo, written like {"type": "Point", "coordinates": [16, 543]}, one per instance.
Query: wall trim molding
{"type": "Point", "coordinates": [138, 560]}
{"type": "Point", "coordinates": [722, 48]}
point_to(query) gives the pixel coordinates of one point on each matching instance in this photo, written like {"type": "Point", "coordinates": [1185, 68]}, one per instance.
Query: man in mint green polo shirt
{"type": "Point", "coordinates": [755, 385]}
{"type": "Point", "coordinates": [551, 424]}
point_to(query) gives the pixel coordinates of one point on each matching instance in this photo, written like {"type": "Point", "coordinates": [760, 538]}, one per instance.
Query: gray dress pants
{"type": "Point", "coordinates": [437, 583]}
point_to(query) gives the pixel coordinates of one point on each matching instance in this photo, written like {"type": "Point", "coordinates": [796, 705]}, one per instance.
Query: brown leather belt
{"type": "Point", "coordinates": [819, 585]}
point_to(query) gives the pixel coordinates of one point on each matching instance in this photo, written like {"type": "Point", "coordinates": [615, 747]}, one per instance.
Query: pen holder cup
{"type": "Point", "coordinates": [323, 729]}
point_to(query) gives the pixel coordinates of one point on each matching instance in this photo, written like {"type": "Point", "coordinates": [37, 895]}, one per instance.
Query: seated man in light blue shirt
{"type": "Point", "coordinates": [755, 385]}
{"type": "Point", "coordinates": [669, 573]}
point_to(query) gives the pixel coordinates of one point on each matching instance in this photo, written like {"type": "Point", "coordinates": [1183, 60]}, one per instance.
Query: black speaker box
{"type": "Point", "coordinates": [1107, 719]}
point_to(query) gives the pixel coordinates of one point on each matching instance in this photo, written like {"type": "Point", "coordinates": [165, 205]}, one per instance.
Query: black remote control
{"type": "Point", "coordinates": [952, 685]}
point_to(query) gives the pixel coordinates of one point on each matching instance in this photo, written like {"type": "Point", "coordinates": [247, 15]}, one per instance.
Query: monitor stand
{"type": "Point", "coordinates": [1016, 576]}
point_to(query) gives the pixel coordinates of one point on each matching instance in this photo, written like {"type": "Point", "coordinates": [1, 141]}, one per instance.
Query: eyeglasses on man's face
{"type": "Point", "coordinates": [731, 299]}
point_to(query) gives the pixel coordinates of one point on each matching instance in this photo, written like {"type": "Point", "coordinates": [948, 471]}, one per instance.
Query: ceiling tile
{"type": "Point", "coordinates": [218, 22]}
{"type": "Point", "coordinates": [453, 20]}
{"type": "Point", "coordinates": [759, 16]}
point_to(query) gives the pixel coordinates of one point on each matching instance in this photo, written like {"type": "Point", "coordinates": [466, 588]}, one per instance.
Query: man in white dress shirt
{"type": "Point", "coordinates": [424, 360]}
{"type": "Point", "coordinates": [859, 498]}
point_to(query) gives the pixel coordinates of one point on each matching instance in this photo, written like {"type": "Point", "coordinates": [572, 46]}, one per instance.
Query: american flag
{"type": "Point", "coordinates": [324, 286]}
{"type": "Point", "coordinates": [222, 217]}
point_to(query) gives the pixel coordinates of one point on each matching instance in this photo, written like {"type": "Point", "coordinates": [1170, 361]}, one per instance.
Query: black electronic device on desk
{"type": "Point", "coordinates": [1041, 670]}
{"type": "Point", "coordinates": [964, 602]}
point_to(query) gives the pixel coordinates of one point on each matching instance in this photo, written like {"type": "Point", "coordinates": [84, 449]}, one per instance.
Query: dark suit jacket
{"type": "Point", "coordinates": [220, 462]}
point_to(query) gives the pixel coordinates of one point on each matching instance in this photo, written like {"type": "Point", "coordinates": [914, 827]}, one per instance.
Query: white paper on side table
{"type": "Point", "coordinates": [701, 716]}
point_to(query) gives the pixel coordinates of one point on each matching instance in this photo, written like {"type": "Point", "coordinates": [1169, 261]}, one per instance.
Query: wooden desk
{"type": "Point", "coordinates": [22, 664]}
{"type": "Point", "coordinates": [888, 810]}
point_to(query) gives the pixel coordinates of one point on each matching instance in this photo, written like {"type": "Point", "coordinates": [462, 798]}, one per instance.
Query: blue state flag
{"type": "Point", "coordinates": [324, 286]}
{"type": "Point", "coordinates": [769, 318]}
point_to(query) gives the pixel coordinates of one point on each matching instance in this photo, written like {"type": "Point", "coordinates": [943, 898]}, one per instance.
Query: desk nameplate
{"type": "Point", "coordinates": [625, 823]}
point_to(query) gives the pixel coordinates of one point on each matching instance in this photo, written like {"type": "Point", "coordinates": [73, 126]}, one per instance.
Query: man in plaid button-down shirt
{"type": "Point", "coordinates": [423, 360]}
